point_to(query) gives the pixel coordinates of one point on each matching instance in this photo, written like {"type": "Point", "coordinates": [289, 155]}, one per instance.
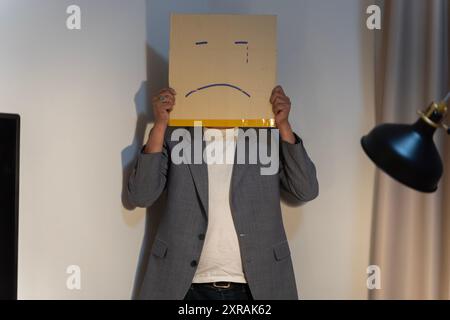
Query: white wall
{"type": "Point", "coordinates": [75, 93]}
{"type": "Point", "coordinates": [82, 97]}
{"type": "Point", "coordinates": [325, 63]}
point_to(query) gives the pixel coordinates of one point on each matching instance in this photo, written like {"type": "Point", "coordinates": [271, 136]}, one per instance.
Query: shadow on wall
{"type": "Point", "coordinates": [157, 78]}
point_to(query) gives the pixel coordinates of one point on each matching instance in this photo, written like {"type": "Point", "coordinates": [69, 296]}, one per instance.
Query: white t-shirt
{"type": "Point", "coordinates": [220, 259]}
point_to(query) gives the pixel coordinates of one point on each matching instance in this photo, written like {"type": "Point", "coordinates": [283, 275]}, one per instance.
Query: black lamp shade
{"type": "Point", "coordinates": [407, 153]}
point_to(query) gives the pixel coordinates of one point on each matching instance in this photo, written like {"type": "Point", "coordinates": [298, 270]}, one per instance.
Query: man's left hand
{"type": "Point", "coordinates": [281, 105]}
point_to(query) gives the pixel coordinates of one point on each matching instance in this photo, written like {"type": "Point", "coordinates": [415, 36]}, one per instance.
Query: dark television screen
{"type": "Point", "coordinates": [9, 179]}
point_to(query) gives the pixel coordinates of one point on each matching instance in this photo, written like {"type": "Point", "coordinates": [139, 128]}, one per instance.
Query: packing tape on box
{"type": "Point", "coordinates": [262, 123]}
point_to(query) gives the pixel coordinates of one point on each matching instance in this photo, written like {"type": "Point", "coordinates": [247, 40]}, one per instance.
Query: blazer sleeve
{"type": "Point", "coordinates": [149, 176]}
{"type": "Point", "coordinates": [297, 171]}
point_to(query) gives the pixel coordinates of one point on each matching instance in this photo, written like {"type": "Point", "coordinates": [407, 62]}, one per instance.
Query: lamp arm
{"type": "Point", "coordinates": [435, 113]}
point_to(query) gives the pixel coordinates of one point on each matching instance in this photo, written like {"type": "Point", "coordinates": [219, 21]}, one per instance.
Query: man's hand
{"type": "Point", "coordinates": [281, 105]}
{"type": "Point", "coordinates": [163, 103]}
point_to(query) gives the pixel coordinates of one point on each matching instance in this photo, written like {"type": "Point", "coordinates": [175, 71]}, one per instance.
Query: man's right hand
{"type": "Point", "coordinates": [163, 103]}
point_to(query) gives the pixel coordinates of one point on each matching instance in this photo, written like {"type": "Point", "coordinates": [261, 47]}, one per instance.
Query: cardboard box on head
{"type": "Point", "coordinates": [223, 68]}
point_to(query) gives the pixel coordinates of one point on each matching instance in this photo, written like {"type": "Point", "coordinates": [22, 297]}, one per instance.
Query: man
{"type": "Point", "coordinates": [221, 235]}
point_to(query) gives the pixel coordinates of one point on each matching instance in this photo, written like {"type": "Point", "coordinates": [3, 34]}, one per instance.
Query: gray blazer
{"type": "Point", "coordinates": [255, 205]}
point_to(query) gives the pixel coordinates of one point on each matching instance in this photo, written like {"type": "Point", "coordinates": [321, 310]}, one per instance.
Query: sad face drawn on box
{"type": "Point", "coordinates": [229, 85]}
{"type": "Point", "coordinates": [223, 67]}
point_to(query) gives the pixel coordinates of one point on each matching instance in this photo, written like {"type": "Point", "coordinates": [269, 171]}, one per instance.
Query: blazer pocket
{"type": "Point", "coordinates": [159, 248]}
{"type": "Point", "coordinates": [281, 251]}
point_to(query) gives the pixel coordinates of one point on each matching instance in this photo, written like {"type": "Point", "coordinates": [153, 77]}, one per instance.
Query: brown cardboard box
{"type": "Point", "coordinates": [223, 68]}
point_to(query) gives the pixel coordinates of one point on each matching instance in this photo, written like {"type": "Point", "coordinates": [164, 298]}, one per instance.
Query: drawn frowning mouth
{"type": "Point", "coordinates": [217, 85]}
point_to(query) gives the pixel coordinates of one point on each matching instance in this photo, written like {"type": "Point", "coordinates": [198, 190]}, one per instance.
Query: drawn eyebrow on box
{"type": "Point", "coordinates": [201, 42]}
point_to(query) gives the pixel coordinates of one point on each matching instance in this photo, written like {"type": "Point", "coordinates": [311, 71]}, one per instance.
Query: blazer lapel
{"type": "Point", "coordinates": [238, 169]}
{"type": "Point", "coordinates": [199, 171]}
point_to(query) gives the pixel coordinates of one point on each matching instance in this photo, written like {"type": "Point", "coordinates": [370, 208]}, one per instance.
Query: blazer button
{"type": "Point", "coordinates": [193, 263]}
{"type": "Point", "coordinates": [201, 236]}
